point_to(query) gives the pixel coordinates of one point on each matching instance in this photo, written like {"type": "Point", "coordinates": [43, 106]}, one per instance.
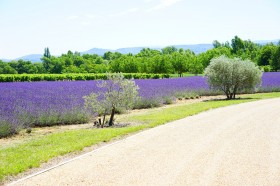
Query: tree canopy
{"type": "Point", "coordinates": [232, 75]}
{"type": "Point", "coordinates": [168, 60]}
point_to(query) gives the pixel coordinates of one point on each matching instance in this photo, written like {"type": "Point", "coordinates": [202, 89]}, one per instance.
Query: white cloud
{"type": "Point", "coordinates": [164, 4]}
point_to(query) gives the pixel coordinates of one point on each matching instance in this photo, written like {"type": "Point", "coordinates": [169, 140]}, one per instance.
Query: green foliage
{"type": "Point", "coordinates": [75, 116]}
{"type": "Point", "coordinates": [266, 54]}
{"type": "Point", "coordinates": [237, 45]}
{"type": "Point", "coordinates": [275, 61]}
{"type": "Point", "coordinates": [73, 77]}
{"type": "Point", "coordinates": [205, 58]}
{"type": "Point", "coordinates": [119, 94]}
{"type": "Point", "coordinates": [266, 68]}
{"type": "Point", "coordinates": [5, 68]}
{"type": "Point", "coordinates": [6, 130]}
{"type": "Point", "coordinates": [184, 61]}
{"type": "Point", "coordinates": [168, 60]}
{"type": "Point", "coordinates": [147, 52]}
{"type": "Point", "coordinates": [216, 44]}
{"type": "Point", "coordinates": [232, 75]}
{"type": "Point", "coordinates": [145, 103]}
{"type": "Point", "coordinates": [47, 53]}
{"type": "Point", "coordinates": [169, 50]}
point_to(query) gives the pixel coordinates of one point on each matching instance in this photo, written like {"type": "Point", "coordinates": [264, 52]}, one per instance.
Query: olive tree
{"type": "Point", "coordinates": [232, 75]}
{"type": "Point", "coordinates": [115, 93]}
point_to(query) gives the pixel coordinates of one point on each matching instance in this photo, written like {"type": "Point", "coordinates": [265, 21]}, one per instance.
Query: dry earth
{"type": "Point", "coordinates": [235, 145]}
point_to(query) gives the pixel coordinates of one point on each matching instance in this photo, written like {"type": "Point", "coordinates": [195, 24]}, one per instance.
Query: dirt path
{"type": "Point", "coordinates": [235, 145]}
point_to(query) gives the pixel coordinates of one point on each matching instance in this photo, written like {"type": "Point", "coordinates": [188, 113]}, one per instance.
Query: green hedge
{"type": "Point", "coordinates": [73, 77]}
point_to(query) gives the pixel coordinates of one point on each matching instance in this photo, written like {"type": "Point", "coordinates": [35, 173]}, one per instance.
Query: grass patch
{"type": "Point", "coordinates": [19, 157]}
{"type": "Point", "coordinates": [155, 118]}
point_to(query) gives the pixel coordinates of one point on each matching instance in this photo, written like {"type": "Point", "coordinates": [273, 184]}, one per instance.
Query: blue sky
{"type": "Point", "coordinates": [27, 26]}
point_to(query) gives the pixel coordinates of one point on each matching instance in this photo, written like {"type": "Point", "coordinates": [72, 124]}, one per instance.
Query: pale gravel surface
{"type": "Point", "coordinates": [235, 145]}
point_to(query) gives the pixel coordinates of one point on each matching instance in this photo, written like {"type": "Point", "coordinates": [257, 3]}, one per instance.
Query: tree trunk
{"type": "Point", "coordinates": [227, 94]}
{"type": "Point", "coordinates": [231, 95]}
{"type": "Point", "coordinates": [112, 117]}
{"type": "Point", "coordinates": [99, 121]}
{"type": "Point", "coordinates": [103, 122]}
{"type": "Point", "coordinates": [234, 92]}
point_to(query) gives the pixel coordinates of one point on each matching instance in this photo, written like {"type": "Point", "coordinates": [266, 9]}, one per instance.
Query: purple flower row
{"type": "Point", "coordinates": [46, 103]}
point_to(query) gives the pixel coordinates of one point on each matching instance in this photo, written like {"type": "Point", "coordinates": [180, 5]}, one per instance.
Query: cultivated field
{"type": "Point", "coordinates": [29, 104]}
{"type": "Point", "coordinates": [33, 104]}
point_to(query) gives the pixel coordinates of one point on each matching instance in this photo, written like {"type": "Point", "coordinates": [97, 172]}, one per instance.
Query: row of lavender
{"type": "Point", "coordinates": [48, 103]}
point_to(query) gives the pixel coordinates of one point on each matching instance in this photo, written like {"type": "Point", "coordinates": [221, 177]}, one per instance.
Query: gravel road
{"type": "Point", "coordinates": [235, 145]}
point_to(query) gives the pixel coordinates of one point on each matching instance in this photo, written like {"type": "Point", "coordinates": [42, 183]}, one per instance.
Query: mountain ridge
{"type": "Point", "coordinates": [196, 48]}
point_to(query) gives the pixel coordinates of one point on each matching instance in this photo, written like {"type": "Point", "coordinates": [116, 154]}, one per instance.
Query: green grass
{"type": "Point", "coordinates": [19, 157]}
{"type": "Point", "coordinates": [157, 117]}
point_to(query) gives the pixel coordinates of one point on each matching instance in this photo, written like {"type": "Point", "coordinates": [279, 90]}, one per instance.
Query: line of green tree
{"type": "Point", "coordinates": [169, 60]}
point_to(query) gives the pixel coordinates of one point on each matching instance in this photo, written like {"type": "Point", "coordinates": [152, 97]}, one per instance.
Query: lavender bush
{"type": "Point", "coordinates": [270, 82]}
{"type": "Point", "coordinates": [27, 104]}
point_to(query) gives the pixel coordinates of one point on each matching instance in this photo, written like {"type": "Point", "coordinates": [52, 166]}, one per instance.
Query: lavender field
{"type": "Point", "coordinates": [28, 104]}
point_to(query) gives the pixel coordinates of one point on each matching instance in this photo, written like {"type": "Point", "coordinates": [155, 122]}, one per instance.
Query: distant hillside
{"type": "Point", "coordinates": [31, 57]}
{"type": "Point", "coordinates": [132, 50]}
{"type": "Point", "coordinates": [5, 60]}
{"type": "Point", "coordinates": [263, 42]}
{"type": "Point", "coordinates": [197, 48]}
{"type": "Point", "coordinates": [98, 51]}
{"type": "Point", "coordinates": [101, 51]}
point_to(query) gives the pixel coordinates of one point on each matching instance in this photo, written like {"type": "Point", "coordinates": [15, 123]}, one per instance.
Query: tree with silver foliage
{"type": "Point", "coordinates": [232, 75]}
{"type": "Point", "coordinates": [117, 93]}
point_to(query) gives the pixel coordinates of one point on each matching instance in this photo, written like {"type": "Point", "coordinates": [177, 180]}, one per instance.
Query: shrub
{"type": "Point", "coordinates": [28, 130]}
{"type": "Point", "coordinates": [6, 129]}
{"type": "Point", "coordinates": [185, 94]}
{"type": "Point", "coordinates": [168, 100]}
{"type": "Point", "coordinates": [145, 103]}
{"type": "Point", "coordinates": [156, 76]}
{"type": "Point", "coordinates": [232, 75]}
{"type": "Point", "coordinates": [119, 94]}
{"type": "Point", "coordinates": [266, 68]}
{"type": "Point", "coordinates": [73, 77]}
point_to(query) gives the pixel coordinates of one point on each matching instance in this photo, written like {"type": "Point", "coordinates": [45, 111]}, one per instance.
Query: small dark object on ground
{"type": "Point", "coordinates": [28, 130]}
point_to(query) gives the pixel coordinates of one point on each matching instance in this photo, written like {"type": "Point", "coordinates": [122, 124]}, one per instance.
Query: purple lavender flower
{"type": "Point", "coordinates": [61, 102]}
